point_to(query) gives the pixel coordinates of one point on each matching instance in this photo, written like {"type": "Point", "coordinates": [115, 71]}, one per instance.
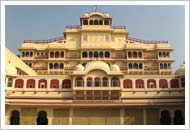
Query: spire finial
{"type": "Point", "coordinates": [95, 8]}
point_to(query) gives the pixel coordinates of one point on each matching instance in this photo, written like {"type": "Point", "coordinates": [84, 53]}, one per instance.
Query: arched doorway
{"type": "Point", "coordinates": [15, 118]}
{"type": "Point", "coordinates": [42, 118]}
{"type": "Point", "coordinates": [178, 118]}
{"type": "Point", "coordinates": [165, 118]}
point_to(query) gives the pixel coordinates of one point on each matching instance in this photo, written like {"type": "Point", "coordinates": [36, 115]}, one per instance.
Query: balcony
{"type": "Point", "coordinates": [150, 57]}
{"type": "Point", "coordinates": [118, 57]}
{"type": "Point", "coordinates": [96, 88]}
{"type": "Point", "coordinates": [73, 57]}
{"type": "Point", "coordinates": [40, 68]}
{"type": "Point", "coordinates": [41, 57]}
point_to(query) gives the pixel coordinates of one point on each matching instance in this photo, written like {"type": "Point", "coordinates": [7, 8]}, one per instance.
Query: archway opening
{"type": "Point", "coordinates": [178, 118]}
{"type": "Point", "coordinates": [165, 118]}
{"type": "Point", "coordinates": [42, 118]}
{"type": "Point", "coordinates": [15, 118]}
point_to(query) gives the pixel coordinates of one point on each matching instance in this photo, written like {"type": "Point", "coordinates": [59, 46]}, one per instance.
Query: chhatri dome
{"type": "Point", "coordinates": [181, 70]}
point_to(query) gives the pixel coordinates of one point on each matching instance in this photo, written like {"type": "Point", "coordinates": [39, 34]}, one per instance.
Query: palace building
{"type": "Point", "coordinates": [95, 74]}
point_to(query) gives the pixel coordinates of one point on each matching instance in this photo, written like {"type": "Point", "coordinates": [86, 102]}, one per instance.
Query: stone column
{"type": "Point", "coordinates": [145, 84]}
{"type": "Point", "coordinates": [122, 116]}
{"type": "Point", "coordinates": [169, 85]}
{"type": "Point", "coordinates": [157, 84]}
{"type": "Point", "coordinates": [71, 116]}
{"type": "Point", "coordinates": [133, 82]}
{"type": "Point", "coordinates": [144, 116]}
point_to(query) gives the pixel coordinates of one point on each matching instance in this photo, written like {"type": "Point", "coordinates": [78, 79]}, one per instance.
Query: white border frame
{"type": "Point", "coordinates": [185, 3]}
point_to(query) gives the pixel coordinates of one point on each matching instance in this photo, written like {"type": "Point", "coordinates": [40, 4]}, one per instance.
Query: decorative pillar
{"type": "Point", "coordinates": [157, 84]}
{"type": "Point", "coordinates": [145, 84]}
{"type": "Point", "coordinates": [169, 85]}
{"type": "Point", "coordinates": [134, 86]}
{"type": "Point", "coordinates": [71, 116]}
{"type": "Point", "coordinates": [122, 116]}
{"type": "Point", "coordinates": [144, 116]}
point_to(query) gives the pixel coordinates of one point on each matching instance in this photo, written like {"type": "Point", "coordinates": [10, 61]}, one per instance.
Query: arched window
{"type": "Point", "coordinates": [89, 82]}
{"type": "Point", "coordinates": [31, 54]}
{"type": "Point", "coordinates": [139, 83]}
{"type": "Point", "coordinates": [30, 65]}
{"type": "Point", "coordinates": [56, 66]}
{"type": "Point", "coordinates": [105, 82]}
{"type": "Point", "coordinates": [42, 118]}
{"type": "Point", "coordinates": [30, 83]}
{"type": "Point", "coordinates": [61, 66]}
{"type": "Point", "coordinates": [160, 54]}
{"type": "Point", "coordinates": [97, 82]}
{"type": "Point", "coordinates": [165, 118]}
{"type": "Point", "coordinates": [107, 54]}
{"type": "Point", "coordinates": [140, 66]}
{"type": "Point", "coordinates": [84, 54]}
{"type": "Point", "coordinates": [50, 66]}
{"type": "Point", "coordinates": [115, 82]}
{"type": "Point", "coordinates": [164, 54]}
{"type": "Point", "coordinates": [129, 54]}
{"type": "Point", "coordinates": [140, 54]}
{"type": "Point", "coordinates": [95, 22]}
{"type": "Point", "coordinates": [134, 54]}
{"type": "Point", "coordinates": [27, 54]}
{"type": "Point", "coordinates": [91, 22]}
{"type": "Point", "coordinates": [101, 54]}
{"type": "Point", "coordinates": [151, 83]}
{"type": "Point", "coordinates": [106, 22]}
{"type": "Point", "coordinates": [62, 54]}
{"type": "Point", "coordinates": [135, 66]}
{"type": "Point", "coordinates": [23, 54]}
{"type": "Point", "coordinates": [169, 67]}
{"type": "Point", "coordinates": [100, 22]}
{"type": "Point", "coordinates": [174, 83]}
{"type": "Point", "coordinates": [42, 83]}
{"type": "Point", "coordinates": [10, 82]}
{"type": "Point", "coordinates": [130, 66]}
{"type": "Point", "coordinates": [127, 83]}
{"type": "Point", "coordinates": [168, 54]}
{"type": "Point", "coordinates": [85, 22]}
{"type": "Point", "coordinates": [51, 54]}
{"type": "Point", "coordinates": [90, 54]}
{"type": "Point", "coordinates": [19, 83]}
{"type": "Point", "coordinates": [163, 83]}
{"type": "Point", "coordinates": [165, 66]}
{"type": "Point", "coordinates": [161, 66]}
{"type": "Point", "coordinates": [96, 54]}
{"type": "Point", "coordinates": [79, 82]}
{"type": "Point", "coordinates": [15, 118]}
{"type": "Point", "coordinates": [54, 83]}
{"type": "Point", "coordinates": [56, 54]}
{"type": "Point", "coordinates": [66, 83]}
{"type": "Point", "coordinates": [178, 118]}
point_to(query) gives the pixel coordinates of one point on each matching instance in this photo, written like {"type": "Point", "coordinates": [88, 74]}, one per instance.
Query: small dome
{"type": "Point", "coordinates": [79, 67]}
{"type": "Point", "coordinates": [115, 67]}
{"type": "Point", "coordinates": [181, 70]}
{"type": "Point", "coordinates": [10, 70]}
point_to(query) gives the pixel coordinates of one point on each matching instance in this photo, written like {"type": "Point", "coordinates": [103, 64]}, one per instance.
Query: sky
{"type": "Point", "coordinates": [147, 22]}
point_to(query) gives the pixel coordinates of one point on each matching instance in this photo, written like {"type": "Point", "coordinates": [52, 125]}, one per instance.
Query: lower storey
{"type": "Point", "coordinates": [136, 115]}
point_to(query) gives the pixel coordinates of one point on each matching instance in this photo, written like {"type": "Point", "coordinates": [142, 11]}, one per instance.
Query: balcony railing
{"type": "Point", "coordinates": [150, 57]}
{"type": "Point", "coordinates": [73, 27]}
{"type": "Point", "coordinates": [41, 57]}
{"type": "Point", "coordinates": [118, 27]}
{"type": "Point", "coordinates": [44, 41]}
{"type": "Point", "coordinates": [73, 57]}
{"type": "Point", "coordinates": [147, 41]}
{"type": "Point", "coordinates": [40, 68]}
